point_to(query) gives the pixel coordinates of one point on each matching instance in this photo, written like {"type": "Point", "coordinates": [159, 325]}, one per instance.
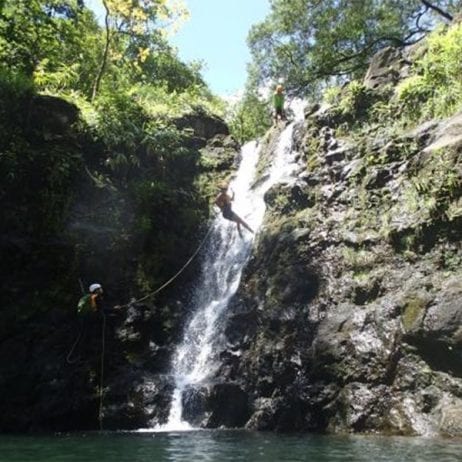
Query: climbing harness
{"type": "Point", "coordinates": [167, 283]}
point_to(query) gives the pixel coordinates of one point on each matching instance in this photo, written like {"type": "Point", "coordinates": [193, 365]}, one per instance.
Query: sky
{"type": "Point", "coordinates": [215, 34]}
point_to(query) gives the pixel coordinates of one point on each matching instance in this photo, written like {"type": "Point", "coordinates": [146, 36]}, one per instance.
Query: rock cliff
{"type": "Point", "coordinates": [69, 216]}
{"type": "Point", "coordinates": [348, 317]}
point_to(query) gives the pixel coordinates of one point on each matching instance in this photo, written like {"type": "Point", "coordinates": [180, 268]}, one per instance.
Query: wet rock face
{"type": "Point", "coordinates": [216, 405]}
{"type": "Point", "coordinates": [229, 406]}
{"type": "Point", "coordinates": [348, 317]}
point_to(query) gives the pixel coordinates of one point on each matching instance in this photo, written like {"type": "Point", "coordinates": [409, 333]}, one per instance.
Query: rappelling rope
{"type": "Point", "coordinates": [79, 335]}
{"type": "Point", "coordinates": [101, 377]}
{"type": "Point", "coordinates": [68, 357]}
{"type": "Point", "coordinates": [103, 332]}
{"type": "Point", "coordinates": [167, 283]}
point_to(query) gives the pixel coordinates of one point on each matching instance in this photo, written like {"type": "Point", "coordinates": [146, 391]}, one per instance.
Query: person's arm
{"type": "Point", "coordinates": [232, 197]}
{"type": "Point", "coordinates": [98, 303]}
{"type": "Point", "coordinates": [94, 302]}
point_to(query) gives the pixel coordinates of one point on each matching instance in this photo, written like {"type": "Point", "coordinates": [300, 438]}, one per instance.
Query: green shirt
{"type": "Point", "coordinates": [87, 304]}
{"type": "Point", "coordinates": [278, 100]}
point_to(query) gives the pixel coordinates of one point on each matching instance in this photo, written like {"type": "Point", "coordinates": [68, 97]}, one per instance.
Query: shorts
{"type": "Point", "coordinates": [278, 111]}
{"type": "Point", "coordinates": [228, 213]}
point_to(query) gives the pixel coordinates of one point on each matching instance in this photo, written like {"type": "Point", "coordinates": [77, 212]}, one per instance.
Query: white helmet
{"type": "Point", "coordinates": [94, 287]}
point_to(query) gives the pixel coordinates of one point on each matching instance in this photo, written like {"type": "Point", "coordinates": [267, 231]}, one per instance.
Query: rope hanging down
{"type": "Point", "coordinates": [163, 286]}
{"type": "Point", "coordinates": [79, 334]}
{"type": "Point", "coordinates": [101, 377]}
{"type": "Point", "coordinates": [167, 283]}
{"type": "Point", "coordinates": [103, 330]}
{"type": "Point", "coordinates": [69, 355]}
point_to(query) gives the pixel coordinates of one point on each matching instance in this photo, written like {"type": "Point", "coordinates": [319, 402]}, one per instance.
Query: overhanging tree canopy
{"type": "Point", "coordinates": [310, 41]}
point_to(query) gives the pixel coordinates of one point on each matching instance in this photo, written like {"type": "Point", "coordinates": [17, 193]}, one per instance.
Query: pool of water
{"type": "Point", "coordinates": [224, 446]}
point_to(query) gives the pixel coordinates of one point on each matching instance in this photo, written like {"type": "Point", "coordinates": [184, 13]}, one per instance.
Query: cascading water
{"type": "Point", "coordinates": [196, 358]}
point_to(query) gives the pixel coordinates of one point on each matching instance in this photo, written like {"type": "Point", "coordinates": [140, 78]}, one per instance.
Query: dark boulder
{"type": "Point", "coordinates": [204, 125]}
{"type": "Point", "coordinates": [50, 115]}
{"type": "Point", "coordinates": [229, 406]}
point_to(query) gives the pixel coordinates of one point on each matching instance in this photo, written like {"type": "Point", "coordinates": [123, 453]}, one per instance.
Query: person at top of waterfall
{"type": "Point", "coordinates": [278, 104]}
{"type": "Point", "coordinates": [223, 201]}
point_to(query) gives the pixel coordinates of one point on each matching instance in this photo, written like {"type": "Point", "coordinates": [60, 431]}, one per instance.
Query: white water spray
{"type": "Point", "coordinates": [196, 358]}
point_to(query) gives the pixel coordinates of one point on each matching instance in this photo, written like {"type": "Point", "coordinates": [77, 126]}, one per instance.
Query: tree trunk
{"type": "Point", "coordinates": [102, 68]}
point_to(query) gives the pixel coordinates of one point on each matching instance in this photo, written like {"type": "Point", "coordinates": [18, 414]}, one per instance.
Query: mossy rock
{"type": "Point", "coordinates": [414, 311]}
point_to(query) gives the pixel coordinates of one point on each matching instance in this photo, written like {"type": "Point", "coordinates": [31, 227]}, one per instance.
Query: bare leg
{"type": "Point", "coordinates": [240, 221]}
{"type": "Point", "coordinates": [239, 228]}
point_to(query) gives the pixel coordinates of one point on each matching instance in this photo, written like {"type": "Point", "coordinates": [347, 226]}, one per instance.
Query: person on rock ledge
{"type": "Point", "coordinates": [223, 201]}
{"type": "Point", "coordinates": [278, 105]}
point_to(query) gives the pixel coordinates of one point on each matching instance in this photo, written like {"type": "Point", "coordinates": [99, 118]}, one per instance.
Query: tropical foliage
{"type": "Point", "coordinates": [309, 42]}
{"type": "Point", "coordinates": [125, 161]}
{"type": "Point", "coordinates": [435, 88]}
{"type": "Point", "coordinates": [250, 116]}
{"type": "Point", "coordinates": [315, 47]}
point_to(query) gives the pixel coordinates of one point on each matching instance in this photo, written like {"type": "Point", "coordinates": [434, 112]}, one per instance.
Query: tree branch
{"type": "Point", "coordinates": [443, 13]}
{"type": "Point", "coordinates": [345, 58]}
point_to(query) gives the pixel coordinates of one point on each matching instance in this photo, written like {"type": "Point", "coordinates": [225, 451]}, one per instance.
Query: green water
{"type": "Point", "coordinates": [224, 446]}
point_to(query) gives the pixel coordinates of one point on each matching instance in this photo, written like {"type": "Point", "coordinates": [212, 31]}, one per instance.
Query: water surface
{"type": "Point", "coordinates": [224, 446]}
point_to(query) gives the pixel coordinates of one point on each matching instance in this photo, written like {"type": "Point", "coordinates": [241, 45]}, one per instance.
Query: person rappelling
{"type": "Point", "coordinates": [90, 307]}
{"type": "Point", "coordinates": [223, 201]}
{"type": "Point", "coordinates": [278, 104]}
{"type": "Point", "coordinates": [92, 302]}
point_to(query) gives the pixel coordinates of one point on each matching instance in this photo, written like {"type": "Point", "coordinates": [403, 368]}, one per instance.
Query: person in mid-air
{"type": "Point", "coordinates": [223, 201]}
{"type": "Point", "coordinates": [278, 104]}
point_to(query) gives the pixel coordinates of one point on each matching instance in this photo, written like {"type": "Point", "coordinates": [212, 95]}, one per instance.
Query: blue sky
{"type": "Point", "coordinates": [215, 34]}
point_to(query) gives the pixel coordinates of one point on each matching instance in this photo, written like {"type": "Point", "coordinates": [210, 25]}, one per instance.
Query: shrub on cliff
{"type": "Point", "coordinates": [435, 88]}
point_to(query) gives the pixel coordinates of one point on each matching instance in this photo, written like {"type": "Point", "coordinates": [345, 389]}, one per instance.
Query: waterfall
{"type": "Point", "coordinates": [196, 358]}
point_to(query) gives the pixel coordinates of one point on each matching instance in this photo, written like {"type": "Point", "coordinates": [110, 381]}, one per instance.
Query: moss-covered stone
{"type": "Point", "coordinates": [414, 311]}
